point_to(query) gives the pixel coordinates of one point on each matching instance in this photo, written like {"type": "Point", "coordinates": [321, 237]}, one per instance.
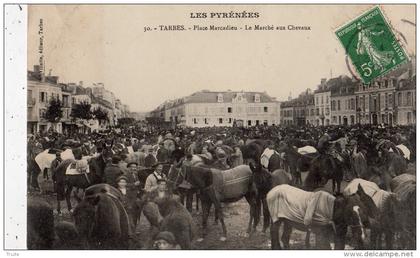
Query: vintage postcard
{"type": "Point", "coordinates": [213, 126]}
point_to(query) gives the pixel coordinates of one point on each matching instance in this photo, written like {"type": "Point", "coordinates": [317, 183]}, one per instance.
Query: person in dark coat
{"type": "Point", "coordinates": [113, 171]}
{"type": "Point", "coordinates": [54, 164]}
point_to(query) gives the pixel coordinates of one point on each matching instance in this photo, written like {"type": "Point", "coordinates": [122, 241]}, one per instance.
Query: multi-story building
{"type": "Point", "coordinates": [322, 104]}
{"type": "Point", "coordinates": [41, 89]}
{"type": "Point", "coordinates": [343, 101]}
{"type": "Point", "coordinates": [227, 108]}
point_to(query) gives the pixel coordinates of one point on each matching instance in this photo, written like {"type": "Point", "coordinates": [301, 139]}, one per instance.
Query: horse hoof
{"type": "Point", "coordinates": [223, 239]}
{"type": "Point", "coordinates": [200, 239]}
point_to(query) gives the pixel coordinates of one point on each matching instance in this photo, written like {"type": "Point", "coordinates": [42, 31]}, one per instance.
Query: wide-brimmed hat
{"type": "Point", "coordinates": [158, 163]}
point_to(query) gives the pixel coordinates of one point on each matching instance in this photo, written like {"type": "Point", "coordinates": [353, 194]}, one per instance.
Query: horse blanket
{"type": "Point", "coordinates": [406, 152]}
{"type": "Point", "coordinates": [78, 167]}
{"type": "Point", "coordinates": [307, 150]}
{"type": "Point", "coordinates": [266, 155]}
{"type": "Point", "coordinates": [285, 201]}
{"type": "Point", "coordinates": [403, 185]}
{"type": "Point", "coordinates": [233, 182]}
{"type": "Point", "coordinates": [378, 195]}
{"type": "Point", "coordinates": [44, 159]}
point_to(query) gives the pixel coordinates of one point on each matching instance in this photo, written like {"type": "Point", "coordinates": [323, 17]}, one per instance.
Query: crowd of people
{"type": "Point", "coordinates": [137, 158]}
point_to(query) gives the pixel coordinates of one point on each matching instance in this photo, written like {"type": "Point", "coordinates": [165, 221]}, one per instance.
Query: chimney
{"type": "Point", "coordinates": [81, 83]}
{"type": "Point", "coordinates": [323, 81]}
{"type": "Point", "coordinates": [36, 69]}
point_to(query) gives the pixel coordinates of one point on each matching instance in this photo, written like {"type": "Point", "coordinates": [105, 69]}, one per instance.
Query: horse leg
{"type": "Point", "coordinates": [333, 185]}
{"type": "Point", "coordinates": [374, 234]}
{"type": "Point", "coordinates": [58, 206]}
{"type": "Point", "coordinates": [287, 231]}
{"type": "Point", "coordinates": [197, 200]}
{"type": "Point", "coordinates": [389, 237]}
{"type": "Point", "coordinates": [266, 215]}
{"type": "Point", "coordinates": [189, 200]}
{"type": "Point", "coordinates": [254, 207]}
{"type": "Point", "coordinates": [274, 232]}
{"type": "Point", "coordinates": [68, 195]}
{"type": "Point", "coordinates": [340, 237]}
{"type": "Point", "coordinates": [206, 205]}
{"type": "Point", "coordinates": [219, 211]}
{"type": "Point", "coordinates": [308, 239]}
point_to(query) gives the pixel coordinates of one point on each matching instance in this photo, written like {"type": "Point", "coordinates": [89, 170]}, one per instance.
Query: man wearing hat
{"type": "Point", "coordinates": [112, 171]}
{"type": "Point", "coordinates": [152, 181]}
{"type": "Point", "coordinates": [165, 240]}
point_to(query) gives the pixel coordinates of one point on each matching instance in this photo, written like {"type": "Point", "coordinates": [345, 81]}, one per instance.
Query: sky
{"type": "Point", "coordinates": [107, 43]}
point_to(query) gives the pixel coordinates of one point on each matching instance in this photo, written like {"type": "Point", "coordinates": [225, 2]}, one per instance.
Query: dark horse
{"type": "Point", "coordinates": [404, 186]}
{"type": "Point", "coordinates": [353, 211]}
{"type": "Point", "coordinates": [323, 168]}
{"type": "Point", "coordinates": [389, 212]}
{"type": "Point", "coordinates": [264, 182]}
{"type": "Point", "coordinates": [66, 183]}
{"type": "Point", "coordinates": [40, 225]}
{"type": "Point", "coordinates": [101, 219]}
{"type": "Point", "coordinates": [296, 162]}
{"type": "Point", "coordinates": [222, 186]}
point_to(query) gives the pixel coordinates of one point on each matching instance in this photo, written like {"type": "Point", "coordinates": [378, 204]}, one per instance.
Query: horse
{"type": "Point", "coordinates": [392, 158]}
{"type": "Point", "coordinates": [318, 212]}
{"type": "Point", "coordinates": [101, 219]}
{"type": "Point", "coordinates": [175, 218]}
{"type": "Point", "coordinates": [295, 161]}
{"type": "Point", "coordinates": [222, 186]}
{"type": "Point", "coordinates": [66, 183]}
{"type": "Point", "coordinates": [389, 211]}
{"type": "Point", "coordinates": [40, 225]}
{"type": "Point", "coordinates": [264, 182]}
{"type": "Point", "coordinates": [323, 168]}
{"type": "Point", "coordinates": [404, 186]}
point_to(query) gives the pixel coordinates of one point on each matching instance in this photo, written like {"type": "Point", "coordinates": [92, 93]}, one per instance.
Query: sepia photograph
{"type": "Point", "coordinates": [215, 127]}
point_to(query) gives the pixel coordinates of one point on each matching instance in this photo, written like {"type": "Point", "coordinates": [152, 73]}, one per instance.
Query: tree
{"type": "Point", "coordinates": [54, 111]}
{"type": "Point", "coordinates": [81, 111]}
{"type": "Point", "coordinates": [100, 114]}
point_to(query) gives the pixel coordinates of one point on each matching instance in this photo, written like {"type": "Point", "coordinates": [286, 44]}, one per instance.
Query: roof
{"type": "Point", "coordinates": [211, 96]}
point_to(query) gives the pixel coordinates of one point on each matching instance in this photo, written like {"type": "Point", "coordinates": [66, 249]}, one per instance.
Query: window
{"type": "Point", "coordinates": [249, 122]}
{"type": "Point", "coordinates": [230, 120]}
{"type": "Point", "coordinates": [338, 105]}
{"type": "Point", "coordinates": [333, 105]}
{"type": "Point", "coordinates": [205, 121]}
{"type": "Point", "coordinates": [265, 122]}
{"type": "Point", "coordinates": [43, 96]}
{"type": "Point", "coordinates": [229, 110]}
{"type": "Point", "coordinates": [195, 120]}
{"type": "Point", "coordinates": [257, 98]}
{"type": "Point", "coordinates": [352, 105]}
{"type": "Point", "coordinates": [390, 100]}
{"type": "Point", "coordinates": [409, 99]}
{"type": "Point", "coordinates": [399, 99]}
{"type": "Point", "coordinates": [322, 99]}
{"type": "Point", "coordinates": [265, 109]}
{"type": "Point", "coordinates": [220, 120]}
{"type": "Point", "coordinates": [257, 122]}
{"type": "Point", "coordinates": [220, 97]}
{"type": "Point", "coordinates": [409, 117]}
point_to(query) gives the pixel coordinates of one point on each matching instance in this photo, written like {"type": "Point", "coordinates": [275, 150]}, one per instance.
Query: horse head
{"type": "Point", "coordinates": [351, 211]}
{"type": "Point", "coordinates": [261, 177]}
{"type": "Point", "coordinates": [84, 218]}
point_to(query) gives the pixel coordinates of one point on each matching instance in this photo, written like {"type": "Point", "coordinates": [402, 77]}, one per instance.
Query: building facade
{"type": "Point", "coordinates": [228, 108]}
{"type": "Point", "coordinates": [40, 90]}
{"type": "Point", "coordinates": [322, 104]}
{"type": "Point", "coordinates": [343, 101]}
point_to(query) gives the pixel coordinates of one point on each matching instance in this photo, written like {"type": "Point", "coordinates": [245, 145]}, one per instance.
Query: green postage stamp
{"type": "Point", "coordinates": [371, 45]}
